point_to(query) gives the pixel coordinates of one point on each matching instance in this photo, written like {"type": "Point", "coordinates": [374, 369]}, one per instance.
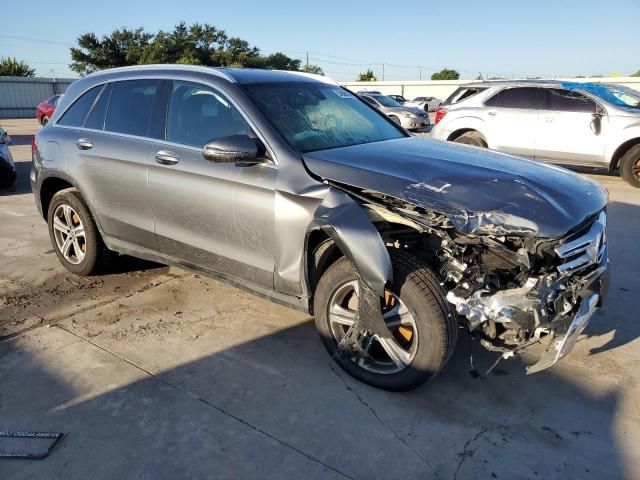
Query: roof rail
{"type": "Point", "coordinates": [169, 66]}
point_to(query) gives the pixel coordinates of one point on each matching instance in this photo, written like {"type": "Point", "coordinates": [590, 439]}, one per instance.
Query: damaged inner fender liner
{"type": "Point", "coordinates": [510, 291]}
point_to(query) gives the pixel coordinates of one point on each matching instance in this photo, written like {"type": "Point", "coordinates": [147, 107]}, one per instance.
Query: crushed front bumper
{"type": "Point", "coordinates": [569, 328]}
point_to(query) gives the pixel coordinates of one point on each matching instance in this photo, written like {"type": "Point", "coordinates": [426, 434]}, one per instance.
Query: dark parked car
{"type": "Point", "coordinates": [296, 188]}
{"type": "Point", "coordinates": [45, 109]}
{"type": "Point", "coordinates": [7, 168]}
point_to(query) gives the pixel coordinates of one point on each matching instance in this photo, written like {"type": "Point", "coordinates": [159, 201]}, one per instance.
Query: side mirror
{"type": "Point", "coordinates": [596, 123]}
{"type": "Point", "coordinates": [233, 149]}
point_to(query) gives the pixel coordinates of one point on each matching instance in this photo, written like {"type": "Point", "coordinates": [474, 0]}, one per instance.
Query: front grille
{"type": "Point", "coordinates": [586, 250]}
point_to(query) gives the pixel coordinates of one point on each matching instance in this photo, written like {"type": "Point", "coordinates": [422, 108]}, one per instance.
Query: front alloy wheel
{"type": "Point", "coordinates": [422, 327]}
{"type": "Point", "coordinates": [382, 355]}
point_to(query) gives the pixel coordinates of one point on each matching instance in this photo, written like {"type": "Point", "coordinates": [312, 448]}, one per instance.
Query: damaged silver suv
{"type": "Point", "coordinates": [292, 186]}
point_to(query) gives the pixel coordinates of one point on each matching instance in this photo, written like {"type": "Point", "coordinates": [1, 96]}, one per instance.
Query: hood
{"type": "Point", "coordinates": [481, 191]}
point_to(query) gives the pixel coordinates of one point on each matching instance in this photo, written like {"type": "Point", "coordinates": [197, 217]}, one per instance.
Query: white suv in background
{"type": "Point", "coordinates": [572, 123]}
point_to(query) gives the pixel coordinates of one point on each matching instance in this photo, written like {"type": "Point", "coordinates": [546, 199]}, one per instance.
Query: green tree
{"type": "Point", "coordinates": [312, 69]}
{"type": "Point", "coordinates": [445, 74]}
{"type": "Point", "coordinates": [367, 76]}
{"type": "Point", "coordinates": [119, 49]}
{"type": "Point", "coordinates": [11, 67]}
{"type": "Point", "coordinates": [196, 44]}
{"type": "Point", "coordinates": [280, 61]}
{"type": "Point", "coordinates": [637, 74]}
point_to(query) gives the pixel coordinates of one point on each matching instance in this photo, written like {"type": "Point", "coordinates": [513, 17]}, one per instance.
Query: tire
{"type": "Point", "coordinates": [472, 138]}
{"type": "Point", "coordinates": [417, 287]}
{"type": "Point", "coordinates": [91, 244]}
{"type": "Point", "coordinates": [7, 180]}
{"type": "Point", "coordinates": [630, 166]}
{"type": "Point", "coordinates": [44, 120]}
{"type": "Point", "coordinates": [395, 119]}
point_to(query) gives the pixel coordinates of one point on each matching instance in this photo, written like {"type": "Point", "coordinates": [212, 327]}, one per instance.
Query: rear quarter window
{"type": "Point", "coordinates": [76, 113]}
{"type": "Point", "coordinates": [463, 93]}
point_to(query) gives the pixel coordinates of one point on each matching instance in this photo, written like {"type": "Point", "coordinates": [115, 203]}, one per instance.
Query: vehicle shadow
{"type": "Point", "coordinates": [22, 184]}
{"type": "Point", "coordinates": [20, 140]}
{"type": "Point", "coordinates": [119, 264]}
{"type": "Point", "coordinates": [278, 407]}
{"type": "Point", "coordinates": [611, 321]}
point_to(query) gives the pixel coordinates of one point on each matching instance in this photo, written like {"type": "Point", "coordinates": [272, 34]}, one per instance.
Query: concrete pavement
{"type": "Point", "coordinates": [155, 373]}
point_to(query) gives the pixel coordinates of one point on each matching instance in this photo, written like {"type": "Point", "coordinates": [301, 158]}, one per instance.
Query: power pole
{"type": "Point", "coordinates": [383, 72]}
{"type": "Point", "coordinates": [420, 73]}
{"type": "Point", "coordinates": [307, 60]}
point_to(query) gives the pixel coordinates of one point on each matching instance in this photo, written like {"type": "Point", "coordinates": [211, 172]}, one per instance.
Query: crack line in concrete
{"type": "Point", "coordinates": [424, 459]}
{"type": "Point", "coordinates": [465, 453]}
{"type": "Point", "coordinates": [183, 390]}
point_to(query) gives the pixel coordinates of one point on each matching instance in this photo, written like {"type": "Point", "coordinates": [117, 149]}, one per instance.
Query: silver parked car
{"type": "Point", "coordinates": [428, 104]}
{"type": "Point", "coordinates": [571, 123]}
{"type": "Point", "coordinates": [411, 118]}
{"type": "Point", "coordinates": [293, 187]}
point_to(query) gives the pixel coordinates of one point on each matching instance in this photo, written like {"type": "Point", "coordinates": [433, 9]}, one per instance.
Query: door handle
{"type": "Point", "coordinates": [166, 157]}
{"type": "Point", "coordinates": [84, 144]}
{"type": "Point", "coordinates": [491, 114]}
{"type": "Point", "coordinates": [548, 119]}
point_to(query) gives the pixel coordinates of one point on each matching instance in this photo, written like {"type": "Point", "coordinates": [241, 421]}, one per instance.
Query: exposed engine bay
{"type": "Point", "coordinates": [509, 292]}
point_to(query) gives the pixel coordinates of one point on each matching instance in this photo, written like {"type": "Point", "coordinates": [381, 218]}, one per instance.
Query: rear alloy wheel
{"type": "Point", "coordinates": [472, 138]}
{"type": "Point", "coordinates": [44, 120]}
{"type": "Point", "coordinates": [630, 166]}
{"type": "Point", "coordinates": [73, 233]}
{"type": "Point", "coordinates": [422, 329]}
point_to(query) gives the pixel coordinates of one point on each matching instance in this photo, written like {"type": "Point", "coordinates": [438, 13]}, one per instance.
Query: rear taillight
{"type": "Point", "coordinates": [440, 113]}
{"type": "Point", "coordinates": [34, 144]}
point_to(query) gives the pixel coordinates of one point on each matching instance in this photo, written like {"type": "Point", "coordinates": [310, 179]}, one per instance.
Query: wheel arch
{"type": "Point", "coordinates": [620, 151]}
{"type": "Point", "coordinates": [461, 131]}
{"type": "Point", "coordinates": [49, 187]}
{"type": "Point", "coordinates": [56, 182]}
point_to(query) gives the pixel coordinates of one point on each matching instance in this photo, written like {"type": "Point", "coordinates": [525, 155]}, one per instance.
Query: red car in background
{"type": "Point", "coordinates": [45, 109]}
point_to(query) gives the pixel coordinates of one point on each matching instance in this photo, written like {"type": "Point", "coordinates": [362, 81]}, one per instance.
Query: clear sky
{"type": "Point", "coordinates": [508, 38]}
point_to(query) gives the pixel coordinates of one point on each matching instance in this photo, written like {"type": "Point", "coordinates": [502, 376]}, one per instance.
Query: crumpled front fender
{"type": "Point", "coordinates": [345, 222]}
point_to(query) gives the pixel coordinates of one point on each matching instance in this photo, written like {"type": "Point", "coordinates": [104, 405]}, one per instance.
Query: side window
{"type": "Point", "coordinates": [75, 115]}
{"type": "Point", "coordinates": [130, 106]}
{"type": "Point", "coordinates": [569, 101]}
{"type": "Point", "coordinates": [95, 119]}
{"type": "Point", "coordinates": [524, 97]}
{"type": "Point", "coordinates": [198, 114]}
